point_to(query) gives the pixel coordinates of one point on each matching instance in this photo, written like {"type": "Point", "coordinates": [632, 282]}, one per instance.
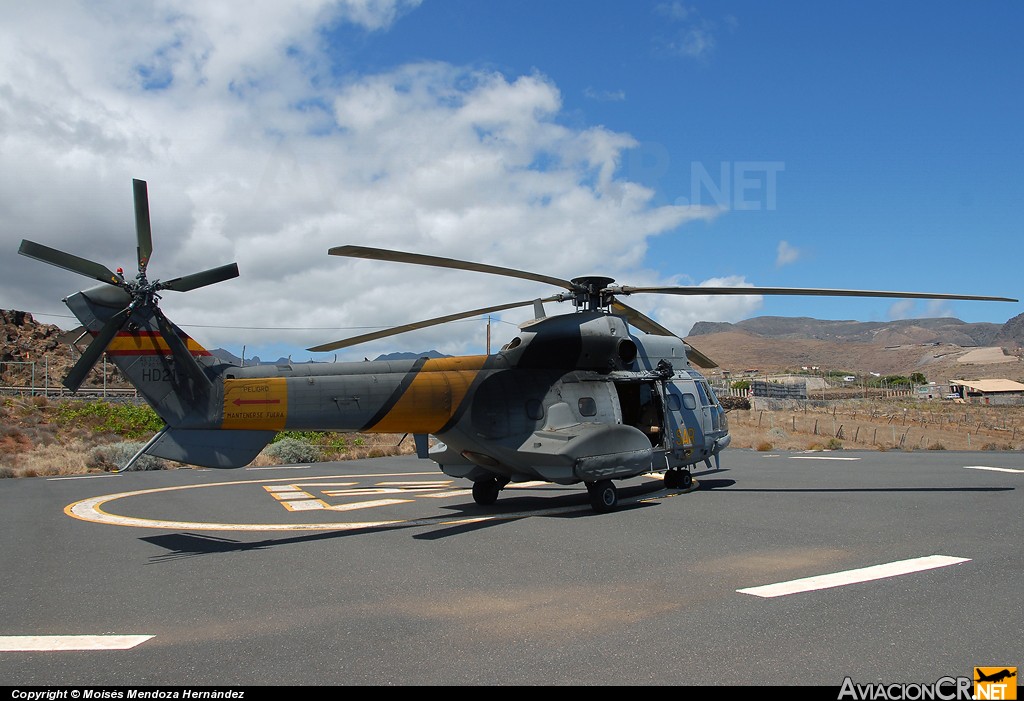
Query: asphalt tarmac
{"type": "Point", "coordinates": [386, 572]}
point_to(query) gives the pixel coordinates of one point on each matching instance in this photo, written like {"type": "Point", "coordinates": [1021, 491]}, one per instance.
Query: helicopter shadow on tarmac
{"type": "Point", "coordinates": [572, 505]}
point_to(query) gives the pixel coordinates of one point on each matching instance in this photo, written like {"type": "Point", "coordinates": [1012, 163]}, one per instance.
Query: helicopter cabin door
{"type": "Point", "coordinates": [685, 418]}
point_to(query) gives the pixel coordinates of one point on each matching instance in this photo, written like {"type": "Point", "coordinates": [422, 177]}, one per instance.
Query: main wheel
{"type": "Point", "coordinates": [672, 479]}
{"type": "Point", "coordinates": [604, 497]}
{"type": "Point", "coordinates": [485, 492]}
{"type": "Point", "coordinates": [685, 479]}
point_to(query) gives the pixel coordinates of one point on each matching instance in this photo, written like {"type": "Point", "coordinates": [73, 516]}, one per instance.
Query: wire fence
{"type": "Point", "coordinates": [37, 378]}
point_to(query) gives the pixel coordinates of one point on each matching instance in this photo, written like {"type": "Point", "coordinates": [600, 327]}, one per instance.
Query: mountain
{"type": "Point", "coordinates": [412, 356]}
{"type": "Point", "coordinates": [942, 349]}
{"type": "Point", "coordinates": [1013, 331]}
{"type": "Point", "coordinates": [887, 333]}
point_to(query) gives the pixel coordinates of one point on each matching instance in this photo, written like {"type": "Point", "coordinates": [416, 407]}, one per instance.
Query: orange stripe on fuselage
{"type": "Point", "coordinates": [148, 343]}
{"type": "Point", "coordinates": [433, 396]}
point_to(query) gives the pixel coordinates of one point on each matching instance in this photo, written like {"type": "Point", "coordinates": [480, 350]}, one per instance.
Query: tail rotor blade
{"type": "Point", "coordinates": [143, 229]}
{"type": "Point", "coordinates": [68, 262]}
{"type": "Point", "coordinates": [181, 353]}
{"type": "Point", "coordinates": [201, 279]}
{"type": "Point", "coordinates": [92, 353]}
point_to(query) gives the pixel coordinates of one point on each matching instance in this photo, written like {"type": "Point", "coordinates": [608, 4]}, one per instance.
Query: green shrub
{"type": "Point", "coordinates": [114, 456]}
{"type": "Point", "coordinates": [292, 451]}
{"type": "Point", "coordinates": [834, 444]}
{"type": "Point", "coordinates": [127, 420]}
{"type": "Point", "coordinates": [328, 441]}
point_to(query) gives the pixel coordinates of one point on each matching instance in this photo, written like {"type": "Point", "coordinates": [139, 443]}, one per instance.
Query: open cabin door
{"type": "Point", "coordinates": [687, 419]}
{"type": "Point", "coordinates": [643, 407]}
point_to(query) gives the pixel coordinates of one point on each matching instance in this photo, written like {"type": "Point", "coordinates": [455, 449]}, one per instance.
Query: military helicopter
{"type": "Point", "coordinates": [601, 394]}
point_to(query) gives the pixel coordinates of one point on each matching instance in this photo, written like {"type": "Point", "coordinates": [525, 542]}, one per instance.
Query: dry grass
{"type": "Point", "coordinates": [34, 443]}
{"type": "Point", "coordinates": [881, 425]}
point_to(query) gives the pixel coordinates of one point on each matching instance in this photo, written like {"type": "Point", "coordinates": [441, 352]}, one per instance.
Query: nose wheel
{"type": "Point", "coordinates": [604, 497]}
{"type": "Point", "coordinates": [485, 491]}
{"type": "Point", "coordinates": [678, 479]}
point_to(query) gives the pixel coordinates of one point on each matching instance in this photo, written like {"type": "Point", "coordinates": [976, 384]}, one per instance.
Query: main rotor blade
{"type": "Point", "coordinates": [76, 376]}
{"type": "Point", "coordinates": [395, 330]}
{"type": "Point", "coordinates": [201, 279]}
{"type": "Point", "coordinates": [649, 325]}
{"type": "Point", "coordinates": [68, 262]}
{"type": "Point", "coordinates": [439, 262]}
{"type": "Point", "coordinates": [186, 361]}
{"type": "Point", "coordinates": [639, 320]}
{"type": "Point", "coordinates": [817, 292]}
{"type": "Point", "coordinates": [143, 230]}
{"type": "Point", "coordinates": [698, 358]}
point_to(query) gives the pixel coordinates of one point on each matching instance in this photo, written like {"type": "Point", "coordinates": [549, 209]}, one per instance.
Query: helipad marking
{"type": "Point", "coordinates": [369, 504]}
{"type": "Point", "coordinates": [304, 505]}
{"type": "Point", "coordinates": [364, 492]}
{"type": "Point", "coordinates": [92, 510]}
{"type": "Point", "coordinates": [79, 477]}
{"type": "Point", "coordinates": [432, 484]}
{"type": "Point", "coordinates": [288, 496]}
{"type": "Point", "coordinates": [994, 469]}
{"type": "Point", "coordinates": [280, 467]}
{"type": "Point", "coordinates": [864, 574]}
{"type": "Point", "coordinates": [452, 493]}
{"type": "Point", "coordinates": [52, 643]}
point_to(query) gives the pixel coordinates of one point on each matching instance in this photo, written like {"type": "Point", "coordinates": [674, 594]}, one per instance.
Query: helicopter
{"type": "Point", "coordinates": [600, 394]}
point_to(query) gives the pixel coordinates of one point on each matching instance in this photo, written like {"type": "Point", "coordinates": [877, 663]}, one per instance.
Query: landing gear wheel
{"type": "Point", "coordinates": [604, 497]}
{"type": "Point", "coordinates": [672, 479]}
{"type": "Point", "coordinates": [485, 492]}
{"type": "Point", "coordinates": [685, 479]}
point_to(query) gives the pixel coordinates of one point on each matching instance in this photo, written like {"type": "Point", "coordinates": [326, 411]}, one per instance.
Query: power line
{"type": "Point", "coordinates": [272, 328]}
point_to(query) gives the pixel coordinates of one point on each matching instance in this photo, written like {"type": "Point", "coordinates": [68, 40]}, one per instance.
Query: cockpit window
{"type": "Point", "coordinates": [689, 401]}
{"type": "Point", "coordinates": [703, 395]}
{"type": "Point", "coordinates": [673, 402]}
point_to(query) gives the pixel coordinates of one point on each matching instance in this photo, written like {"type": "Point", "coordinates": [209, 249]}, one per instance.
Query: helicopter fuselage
{"type": "Point", "coordinates": [573, 398]}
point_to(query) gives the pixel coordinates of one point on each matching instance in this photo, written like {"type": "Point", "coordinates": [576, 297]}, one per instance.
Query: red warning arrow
{"type": "Point", "coordinates": [240, 402]}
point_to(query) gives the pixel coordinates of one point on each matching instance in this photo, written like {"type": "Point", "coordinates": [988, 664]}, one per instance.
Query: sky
{"type": "Point", "coordinates": [867, 145]}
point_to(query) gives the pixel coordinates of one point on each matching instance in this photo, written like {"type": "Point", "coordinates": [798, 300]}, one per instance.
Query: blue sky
{"type": "Point", "coordinates": [861, 145]}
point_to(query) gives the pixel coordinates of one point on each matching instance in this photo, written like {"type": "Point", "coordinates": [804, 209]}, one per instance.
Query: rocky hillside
{"type": "Point", "coordinates": [34, 352]}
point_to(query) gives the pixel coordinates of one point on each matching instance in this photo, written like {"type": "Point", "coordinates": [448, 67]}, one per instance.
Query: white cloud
{"type": "Point", "coordinates": [604, 95]}
{"type": "Point", "coordinates": [254, 154]}
{"type": "Point", "coordinates": [936, 308]}
{"type": "Point", "coordinates": [904, 309]}
{"type": "Point", "coordinates": [786, 254]}
{"type": "Point", "coordinates": [693, 36]}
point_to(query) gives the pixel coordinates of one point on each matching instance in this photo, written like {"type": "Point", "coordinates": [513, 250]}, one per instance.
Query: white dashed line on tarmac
{"type": "Point", "coordinates": [864, 574]}
{"type": "Point", "coordinates": [993, 469]}
{"type": "Point", "coordinates": [54, 643]}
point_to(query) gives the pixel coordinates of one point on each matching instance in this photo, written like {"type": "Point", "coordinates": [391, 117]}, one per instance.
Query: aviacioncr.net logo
{"type": "Point", "coordinates": [995, 683]}
{"type": "Point", "coordinates": [945, 689]}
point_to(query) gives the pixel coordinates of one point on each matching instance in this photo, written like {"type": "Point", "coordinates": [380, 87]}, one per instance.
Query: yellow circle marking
{"type": "Point", "coordinates": [92, 510]}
